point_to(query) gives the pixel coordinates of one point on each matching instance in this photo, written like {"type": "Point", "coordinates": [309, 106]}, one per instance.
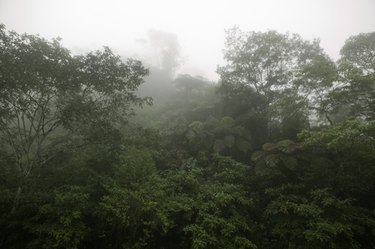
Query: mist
{"type": "Point", "coordinates": [187, 124]}
{"type": "Point", "coordinates": [198, 26]}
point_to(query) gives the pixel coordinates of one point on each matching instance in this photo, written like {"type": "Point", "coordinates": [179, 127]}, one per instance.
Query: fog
{"type": "Point", "coordinates": [192, 31]}
{"type": "Point", "coordinates": [167, 124]}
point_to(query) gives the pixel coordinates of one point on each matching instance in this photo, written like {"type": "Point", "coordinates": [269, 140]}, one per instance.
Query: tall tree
{"type": "Point", "coordinates": [46, 95]}
{"type": "Point", "coordinates": [357, 71]}
{"type": "Point", "coordinates": [286, 71]}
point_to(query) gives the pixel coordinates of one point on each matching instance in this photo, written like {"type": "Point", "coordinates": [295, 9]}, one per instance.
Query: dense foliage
{"type": "Point", "coordinates": [279, 154]}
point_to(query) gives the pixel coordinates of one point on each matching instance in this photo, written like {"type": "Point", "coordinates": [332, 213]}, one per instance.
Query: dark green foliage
{"type": "Point", "coordinates": [248, 163]}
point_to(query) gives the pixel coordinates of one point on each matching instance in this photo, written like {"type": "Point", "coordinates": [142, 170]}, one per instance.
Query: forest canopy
{"type": "Point", "coordinates": [279, 153]}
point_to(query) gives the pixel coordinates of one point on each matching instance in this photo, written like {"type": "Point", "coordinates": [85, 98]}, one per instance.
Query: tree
{"type": "Point", "coordinates": [357, 70]}
{"type": "Point", "coordinates": [280, 68]}
{"type": "Point", "coordinates": [318, 193]}
{"type": "Point", "coordinates": [48, 95]}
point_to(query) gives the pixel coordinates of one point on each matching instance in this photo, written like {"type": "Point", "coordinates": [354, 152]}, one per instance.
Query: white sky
{"type": "Point", "coordinates": [198, 24]}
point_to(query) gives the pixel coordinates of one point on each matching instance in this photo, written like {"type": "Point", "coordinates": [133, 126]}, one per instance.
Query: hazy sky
{"type": "Point", "coordinates": [198, 24]}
